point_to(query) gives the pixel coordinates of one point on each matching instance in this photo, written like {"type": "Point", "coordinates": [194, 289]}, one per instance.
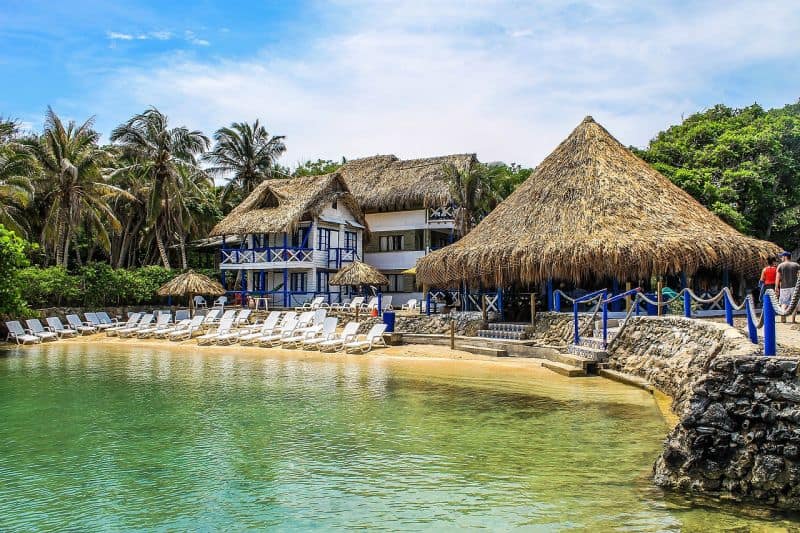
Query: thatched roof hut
{"type": "Point", "coordinates": [358, 273]}
{"type": "Point", "coordinates": [278, 206]}
{"type": "Point", "coordinates": [592, 210]}
{"type": "Point", "coordinates": [386, 183]}
{"type": "Point", "coordinates": [190, 283]}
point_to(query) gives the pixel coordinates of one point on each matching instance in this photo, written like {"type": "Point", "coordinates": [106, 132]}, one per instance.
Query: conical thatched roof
{"type": "Point", "coordinates": [386, 183]}
{"type": "Point", "coordinates": [278, 206]}
{"type": "Point", "coordinates": [592, 209]}
{"type": "Point", "coordinates": [190, 283]}
{"type": "Point", "coordinates": [358, 273]}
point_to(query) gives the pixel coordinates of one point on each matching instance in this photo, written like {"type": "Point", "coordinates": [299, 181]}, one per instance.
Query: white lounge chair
{"type": "Point", "coordinates": [163, 333]}
{"type": "Point", "coordinates": [243, 318]}
{"type": "Point", "coordinates": [200, 302]}
{"type": "Point", "coordinates": [78, 325]}
{"type": "Point", "coordinates": [57, 326]}
{"type": "Point", "coordinates": [386, 302]}
{"type": "Point", "coordinates": [211, 318]}
{"type": "Point", "coordinates": [195, 326]}
{"type": "Point", "coordinates": [220, 302]}
{"type": "Point", "coordinates": [267, 328]}
{"type": "Point", "coordinates": [369, 306]}
{"type": "Point", "coordinates": [94, 320]}
{"type": "Point", "coordinates": [162, 322]}
{"type": "Point", "coordinates": [354, 305]}
{"type": "Point", "coordinates": [410, 305]}
{"type": "Point", "coordinates": [145, 322]}
{"type": "Point", "coordinates": [372, 339]}
{"type": "Point", "coordinates": [19, 335]}
{"type": "Point", "coordinates": [348, 334]}
{"type": "Point", "coordinates": [340, 306]}
{"type": "Point", "coordinates": [299, 335]}
{"type": "Point", "coordinates": [224, 328]}
{"type": "Point", "coordinates": [316, 303]}
{"type": "Point", "coordinates": [36, 328]}
{"type": "Point", "coordinates": [132, 321]}
{"type": "Point", "coordinates": [275, 339]}
{"type": "Point", "coordinates": [105, 319]}
{"type": "Point", "coordinates": [327, 333]}
{"type": "Point", "coordinates": [182, 314]}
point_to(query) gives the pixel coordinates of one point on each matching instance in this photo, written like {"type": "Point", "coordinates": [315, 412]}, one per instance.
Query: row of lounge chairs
{"type": "Point", "coordinates": [307, 330]}
{"type": "Point", "coordinates": [357, 304]}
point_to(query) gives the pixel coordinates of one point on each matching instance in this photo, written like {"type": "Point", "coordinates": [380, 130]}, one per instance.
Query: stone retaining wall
{"type": "Point", "coordinates": [739, 432]}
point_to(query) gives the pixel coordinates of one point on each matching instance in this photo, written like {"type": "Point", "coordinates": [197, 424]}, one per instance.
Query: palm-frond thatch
{"type": "Point", "coordinates": [190, 283]}
{"type": "Point", "coordinates": [386, 183]}
{"type": "Point", "coordinates": [278, 206]}
{"type": "Point", "coordinates": [592, 210]}
{"type": "Point", "coordinates": [358, 273]}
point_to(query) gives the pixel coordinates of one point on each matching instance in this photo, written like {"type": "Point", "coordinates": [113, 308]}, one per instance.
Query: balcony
{"type": "Point", "coordinates": [400, 260]}
{"type": "Point", "coordinates": [338, 256]}
{"type": "Point", "coordinates": [441, 214]}
{"type": "Point", "coordinates": [266, 257]}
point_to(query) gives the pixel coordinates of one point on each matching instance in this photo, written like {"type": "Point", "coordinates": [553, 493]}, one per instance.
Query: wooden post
{"type": "Point", "coordinates": [484, 315]}
{"type": "Point", "coordinates": [659, 286]}
{"type": "Point", "coordinates": [533, 309]}
{"type": "Point", "coordinates": [628, 298]}
{"type": "Point", "coordinates": [452, 334]}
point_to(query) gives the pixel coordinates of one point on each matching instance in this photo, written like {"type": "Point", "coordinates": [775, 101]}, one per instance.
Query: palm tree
{"type": "Point", "coordinates": [74, 192]}
{"type": "Point", "coordinates": [158, 153]}
{"type": "Point", "coordinates": [16, 188]}
{"type": "Point", "coordinates": [246, 154]}
{"type": "Point", "coordinates": [472, 193]}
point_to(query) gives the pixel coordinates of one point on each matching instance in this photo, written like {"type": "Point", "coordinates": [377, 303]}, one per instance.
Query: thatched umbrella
{"type": "Point", "coordinates": [358, 273]}
{"type": "Point", "coordinates": [592, 209]}
{"type": "Point", "coordinates": [190, 284]}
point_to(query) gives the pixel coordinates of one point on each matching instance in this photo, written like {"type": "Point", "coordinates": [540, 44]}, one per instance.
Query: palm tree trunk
{"type": "Point", "coordinates": [184, 260]}
{"type": "Point", "coordinates": [59, 246]}
{"type": "Point", "coordinates": [65, 253]}
{"type": "Point", "coordinates": [162, 250]}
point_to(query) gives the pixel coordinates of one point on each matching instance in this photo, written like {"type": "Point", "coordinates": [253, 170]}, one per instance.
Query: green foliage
{"type": "Point", "coordinates": [42, 287]}
{"type": "Point", "coordinates": [318, 167]}
{"type": "Point", "coordinates": [12, 259]}
{"type": "Point", "coordinates": [743, 164]}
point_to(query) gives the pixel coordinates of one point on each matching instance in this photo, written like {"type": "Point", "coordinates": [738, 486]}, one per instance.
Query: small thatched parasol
{"type": "Point", "coordinates": [358, 273]}
{"type": "Point", "coordinates": [190, 284]}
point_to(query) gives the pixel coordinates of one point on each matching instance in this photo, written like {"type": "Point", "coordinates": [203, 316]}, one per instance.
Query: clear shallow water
{"type": "Point", "coordinates": [96, 439]}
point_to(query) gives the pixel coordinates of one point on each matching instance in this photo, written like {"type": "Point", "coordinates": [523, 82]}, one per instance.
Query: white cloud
{"type": "Point", "coordinates": [193, 39]}
{"type": "Point", "coordinates": [427, 78]}
{"type": "Point", "coordinates": [160, 35]}
{"type": "Point", "coordinates": [117, 36]}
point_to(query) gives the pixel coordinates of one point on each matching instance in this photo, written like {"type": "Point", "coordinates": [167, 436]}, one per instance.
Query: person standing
{"type": "Point", "coordinates": [785, 280]}
{"type": "Point", "coordinates": [767, 280]}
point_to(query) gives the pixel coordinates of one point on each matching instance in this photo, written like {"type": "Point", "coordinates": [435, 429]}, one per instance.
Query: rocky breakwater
{"type": "Point", "coordinates": [739, 432]}
{"type": "Point", "coordinates": [555, 329]}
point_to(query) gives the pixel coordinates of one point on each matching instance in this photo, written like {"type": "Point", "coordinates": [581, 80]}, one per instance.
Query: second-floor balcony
{"type": "Point", "coordinates": [441, 214]}
{"type": "Point", "coordinates": [259, 256]}
{"type": "Point", "coordinates": [338, 256]}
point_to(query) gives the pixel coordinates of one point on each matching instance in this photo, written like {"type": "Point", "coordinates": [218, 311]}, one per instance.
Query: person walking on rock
{"type": "Point", "coordinates": [785, 280]}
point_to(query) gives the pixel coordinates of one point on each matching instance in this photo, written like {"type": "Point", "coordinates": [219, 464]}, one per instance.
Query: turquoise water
{"type": "Point", "coordinates": [100, 439]}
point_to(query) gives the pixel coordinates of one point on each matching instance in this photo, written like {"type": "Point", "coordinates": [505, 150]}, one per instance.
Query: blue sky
{"type": "Point", "coordinates": [505, 79]}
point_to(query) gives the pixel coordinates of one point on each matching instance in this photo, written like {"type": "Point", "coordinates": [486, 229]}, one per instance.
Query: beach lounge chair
{"type": "Point", "coordinates": [225, 326]}
{"type": "Point", "coordinates": [105, 319]}
{"type": "Point", "coordinates": [58, 327]}
{"type": "Point", "coordinates": [275, 338]}
{"type": "Point", "coordinates": [243, 318]}
{"type": "Point", "coordinates": [182, 314]}
{"type": "Point", "coordinates": [373, 338]}
{"type": "Point", "coordinates": [355, 304]}
{"type": "Point", "coordinates": [36, 328]}
{"type": "Point", "coordinates": [75, 323]}
{"type": "Point", "coordinates": [327, 333]}
{"type": "Point", "coordinates": [145, 322]}
{"type": "Point", "coordinates": [131, 322]}
{"type": "Point", "coordinates": [340, 306]}
{"type": "Point", "coordinates": [163, 333]}
{"type": "Point", "coordinates": [93, 320]}
{"type": "Point", "coordinates": [316, 303]}
{"type": "Point", "coordinates": [195, 326]}
{"type": "Point", "coordinates": [162, 322]}
{"type": "Point", "coordinates": [220, 302]}
{"type": "Point", "coordinates": [199, 302]}
{"type": "Point", "coordinates": [369, 306]}
{"type": "Point", "coordinates": [19, 335]}
{"type": "Point", "coordinates": [300, 335]}
{"type": "Point", "coordinates": [211, 318]}
{"type": "Point", "coordinates": [386, 302]}
{"type": "Point", "coordinates": [348, 334]}
{"type": "Point", "coordinates": [269, 327]}
{"type": "Point", "coordinates": [410, 305]}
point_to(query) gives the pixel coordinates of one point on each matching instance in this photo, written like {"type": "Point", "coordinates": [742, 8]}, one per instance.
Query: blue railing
{"type": "Point", "coordinates": [582, 299]}
{"type": "Point", "coordinates": [269, 254]}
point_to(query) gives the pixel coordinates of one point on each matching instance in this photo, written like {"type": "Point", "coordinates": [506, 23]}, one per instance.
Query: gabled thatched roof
{"type": "Point", "coordinates": [386, 183]}
{"type": "Point", "coordinates": [191, 283]}
{"type": "Point", "coordinates": [592, 209]}
{"type": "Point", "coordinates": [276, 206]}
{"type": "Point", "coordinates": [358, 273]}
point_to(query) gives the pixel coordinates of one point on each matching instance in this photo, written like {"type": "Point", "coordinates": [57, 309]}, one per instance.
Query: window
{"type": "Point", "coordinates": [297, 282]}
{"type": "Point", "coordinates": [324, 241]}
{"type": "Point", "coordinates": [390, 243]}
{"type": "Point", "coordinates": [395, 283]}
{"type": "Point", "coordinates": [351, 240]}
{"type": "Point", "coordinates": [322, 281]}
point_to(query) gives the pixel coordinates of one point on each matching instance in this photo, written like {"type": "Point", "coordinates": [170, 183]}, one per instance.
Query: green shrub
{"type": "Point", "coordinates": [44, 287]}
{"type": "Point", "coordinates": [12, 259]}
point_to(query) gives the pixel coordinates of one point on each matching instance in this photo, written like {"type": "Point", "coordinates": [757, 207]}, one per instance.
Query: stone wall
{"type": "Point", "coordinates": [466, 324]}
{"type": "Point", "coordinates": [555, 329]}
{"type": "Point", "coordinates": [738, 436]}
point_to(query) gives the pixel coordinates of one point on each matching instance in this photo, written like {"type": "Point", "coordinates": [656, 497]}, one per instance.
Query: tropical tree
{"type": "Point", "coordinates": [472, 194]}
{"type": "Point", "coordinates": [245, 154]}
{"type": "Point", "coordinates": [163, 156]}
{"type": "Point", "coordinates": [71, 186]}
{"type": "Point", "coordinates": [17, 166]}
{"type": "Point", "coordinates": [318, 167]}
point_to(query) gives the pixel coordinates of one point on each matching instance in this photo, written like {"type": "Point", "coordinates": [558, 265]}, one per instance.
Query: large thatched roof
{"type": "Point", "coordinates": [386, 183]}
{"type": "Point", "coordinates": [277, 206]}
{"type": "Point", "coordinates": [190, 283]}
{"type": "Point", "coordinates": [358, 273]}
{"type": "Point", "coordinates": [592, 209]}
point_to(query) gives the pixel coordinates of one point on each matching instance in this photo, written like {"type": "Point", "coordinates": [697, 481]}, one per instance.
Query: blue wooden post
{"type": "Point", "coordinates": [557, 301]}
{"type": "Point", "coordinates": [614, 292]}
{"type": "Point", "coordinates": [500, 310]}
{"type": "Point", "coordinates": [222, 277]}
{"type": "Point", "coordinates": [244, 286]}
{"type": "Point", "coordinates": [380, 302]}
{"type": "Point", "coordinates": [728, 309]}
{"type": "Point", "coordinates": [576, 334]}
{"type": "Point", "coordinates": [285, 287]}
{"type": "Point", "coordinates": [687, 304]}
{"type": "Point", "coordinates": [428, 303]}
{"type": "Point", "coordinates": [770, 342]}
{"type": "Point", "coordinates": [752, 331]}
{"type": "Point", "coordinates": [605, 322]}
{"type": "Point", "coordinates": [549, 286]}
